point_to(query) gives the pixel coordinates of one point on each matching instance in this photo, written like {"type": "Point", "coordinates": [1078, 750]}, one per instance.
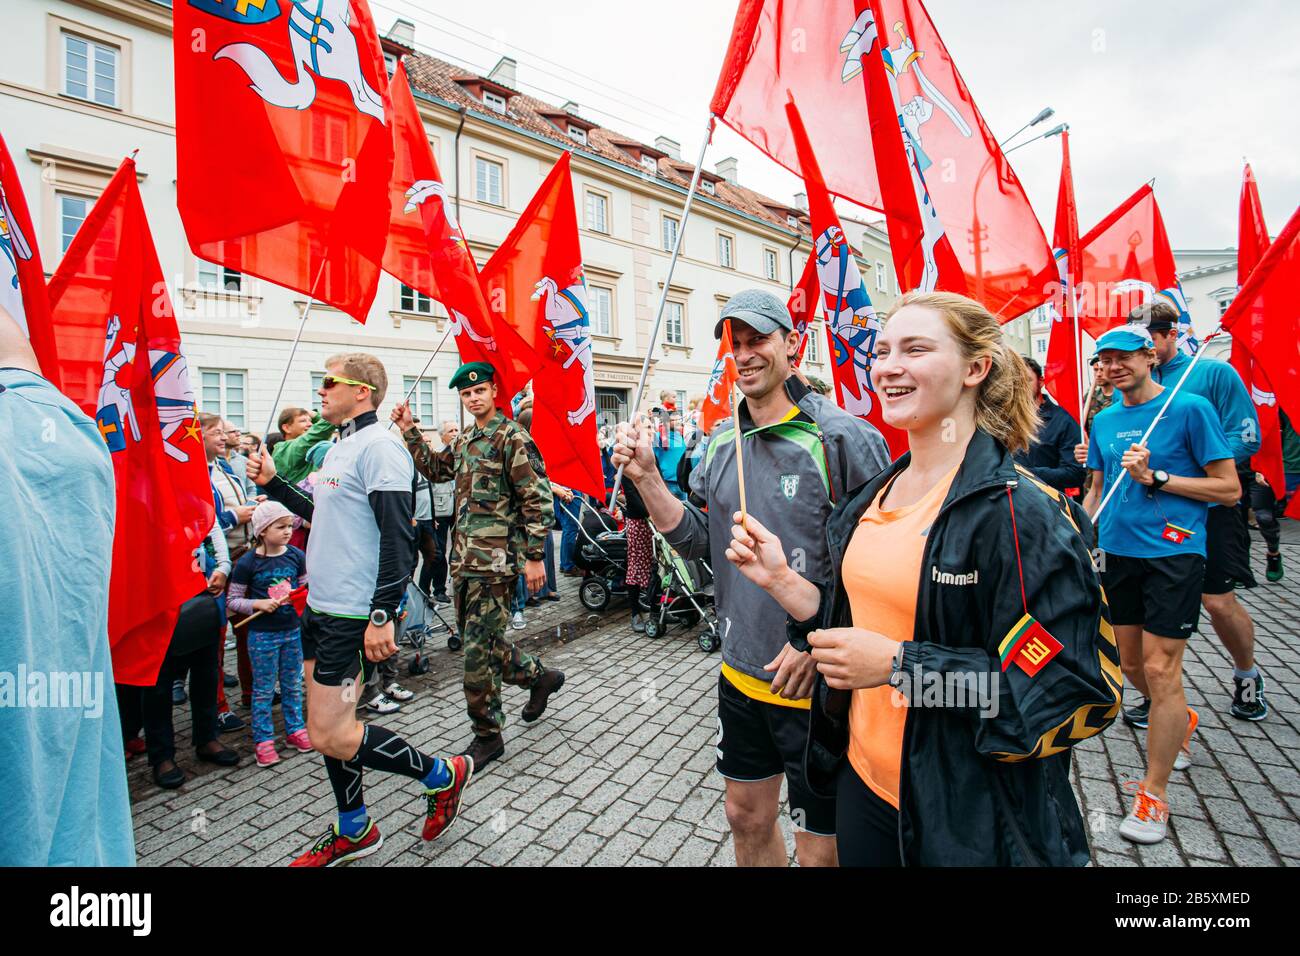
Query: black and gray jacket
{"type": "Point", "coordinates": [985, 779]}
{"type": "Point", "coordinates": [795, 471]}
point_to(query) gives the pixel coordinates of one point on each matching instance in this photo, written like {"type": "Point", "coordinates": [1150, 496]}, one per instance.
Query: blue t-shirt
{"type": "Point", "coordinates": [669, 457]}
{"type": "Point", "coordinates": [1188, 438]}
{"type": "Point", "coordinates": [265, 577]}
{"type": "Point", "coordinates": [1219, 384]}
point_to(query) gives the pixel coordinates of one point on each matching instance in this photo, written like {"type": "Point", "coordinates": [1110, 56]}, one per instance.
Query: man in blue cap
{"type": "Point", "coordinates": [1152, 538]}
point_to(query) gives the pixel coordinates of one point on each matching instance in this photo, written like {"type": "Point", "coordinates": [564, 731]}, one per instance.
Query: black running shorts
{"type": "Point", "coordinates": [1227, 551]}
{"type": "Point", "coordinates": [758, 741]}
{"type": "Point", "coordinates": [338, 646]}
{"type": "Point", "coordinates": [1163, 595]}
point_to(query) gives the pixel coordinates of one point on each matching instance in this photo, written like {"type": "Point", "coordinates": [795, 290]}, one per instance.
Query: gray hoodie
{"type": "Point", "coordinates": [795, 471]}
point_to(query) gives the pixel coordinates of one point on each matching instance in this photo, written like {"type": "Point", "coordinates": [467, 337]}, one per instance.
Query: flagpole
{"type": "Point", "coordinates": [740, 457]}
{"type": "Point", "coordinates": [1156, 421]}
{"type": "Point", "coordinates": [311, 299]}
{"type": "Point", "coordinates": [1078, 356]}
{"type": "Point", "coordinates": [423, 371]}
{"type": "Point", "coordinates": [663, 296]}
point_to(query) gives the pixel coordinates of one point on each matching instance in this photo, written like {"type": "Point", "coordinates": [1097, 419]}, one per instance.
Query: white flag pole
{"type": "Point", "coordinates": [311, 299]}
{"type": "Point", "coordinates": [424, 371]}
{"type": "Point", "coordinates": [663, 296]}
{"type": "Point", "coordinates": [1123, 472]}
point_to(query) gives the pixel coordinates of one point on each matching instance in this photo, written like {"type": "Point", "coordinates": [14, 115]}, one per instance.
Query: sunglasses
{"type": "Point", "coordinates": [329, 381]}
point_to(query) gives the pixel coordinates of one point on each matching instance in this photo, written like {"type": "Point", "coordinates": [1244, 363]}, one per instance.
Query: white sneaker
{"type": "Point", "coordinates": [1148, 821]}
{"type": "Point", "coordinates": [517, 622]}
{"type": "Point", "coordinates": [397, 692]}
{"type": "Point", "coordinates": [638, 624]}
{"type": "Point", "coordinates": [1184, 758]}
{"type": "Point", "coordinates": [382, 704]}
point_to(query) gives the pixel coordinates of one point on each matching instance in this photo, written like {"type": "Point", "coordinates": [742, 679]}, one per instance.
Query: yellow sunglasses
{"type": "Point", "coordinates": [329, 381]}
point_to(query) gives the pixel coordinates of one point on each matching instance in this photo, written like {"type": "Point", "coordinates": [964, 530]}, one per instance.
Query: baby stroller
{"type": "Point", "coordinates": [601, 555]}
{"type": "Point", "coordinates": [423, 619]}
{"type": "Point", "coordinates": [681, 594]}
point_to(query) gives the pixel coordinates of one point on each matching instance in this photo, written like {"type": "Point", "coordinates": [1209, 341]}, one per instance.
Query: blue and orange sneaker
{"type": "Point", "coordinates": [444, 804]}
{"type": "Point", "coordinates": [334, 848]}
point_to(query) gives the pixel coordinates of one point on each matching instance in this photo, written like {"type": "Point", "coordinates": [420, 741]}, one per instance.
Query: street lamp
{"type": "Point", "coordinates": [1045, 113]}
{"type": "Point", "coordinates": [1054, 131]}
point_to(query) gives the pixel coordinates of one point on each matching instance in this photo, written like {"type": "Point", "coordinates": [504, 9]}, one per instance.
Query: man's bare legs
{"type": "Point", "coordinates": [752, 808]}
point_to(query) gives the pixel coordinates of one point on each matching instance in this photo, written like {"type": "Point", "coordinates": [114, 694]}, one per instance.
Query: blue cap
{"type": "Point", "coordinates": [1125, 338]}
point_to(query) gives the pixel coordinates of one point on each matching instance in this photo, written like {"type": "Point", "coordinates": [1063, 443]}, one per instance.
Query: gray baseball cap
{"type": "Point", "coordinates": [759, 309]}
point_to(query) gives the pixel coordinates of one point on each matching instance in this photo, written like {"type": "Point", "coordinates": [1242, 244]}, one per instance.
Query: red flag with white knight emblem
{"type": "Point", "coordinates": [1061, 371]}
{"type": "Point", "coordinates": [722, 384]}
{"type": "Point", "coordinates": [283, 155]}
{"type": "Point", "coordinates": [427, 250]}
{"type": "Point", "coordinates": [912, 144]}
{"type": "Point", "coordinates": [534, 285]}
{"type": "Point", "coordinates": [803, 303]}
{"type": "Point", "coordinates": [120, 360]}
{"type": "Point", "coordinates": [22, 280]}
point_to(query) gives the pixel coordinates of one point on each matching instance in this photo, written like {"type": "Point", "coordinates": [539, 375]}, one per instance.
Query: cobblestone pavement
{"type": "Point", "coordinates": [620, 769]}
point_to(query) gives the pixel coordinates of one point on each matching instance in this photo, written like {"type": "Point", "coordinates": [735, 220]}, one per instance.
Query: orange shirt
{"type": "Point", "coordinates": [881, 575]}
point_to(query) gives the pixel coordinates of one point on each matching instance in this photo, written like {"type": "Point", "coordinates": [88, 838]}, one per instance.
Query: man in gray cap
{"type": "Point", "coordinates": [802, 453]}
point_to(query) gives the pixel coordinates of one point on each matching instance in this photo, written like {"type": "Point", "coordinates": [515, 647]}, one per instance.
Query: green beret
{"type": "Point", "coordinates": [471, 374]}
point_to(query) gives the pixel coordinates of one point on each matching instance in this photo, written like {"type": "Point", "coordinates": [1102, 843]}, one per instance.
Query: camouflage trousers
{"type": "Point", "coordinates": [482, 615]}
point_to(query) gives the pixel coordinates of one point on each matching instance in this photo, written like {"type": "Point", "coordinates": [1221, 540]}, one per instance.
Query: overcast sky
{"type": "Point", "coordinates": [1178, 91]}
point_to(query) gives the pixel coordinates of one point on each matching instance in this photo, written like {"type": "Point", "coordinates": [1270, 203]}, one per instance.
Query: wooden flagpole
{"type": "Point", "coordinates": [740, 455]}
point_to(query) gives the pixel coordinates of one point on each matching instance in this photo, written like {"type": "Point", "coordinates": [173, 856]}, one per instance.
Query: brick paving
{"type": "Point", "coordinates": [620, 770]}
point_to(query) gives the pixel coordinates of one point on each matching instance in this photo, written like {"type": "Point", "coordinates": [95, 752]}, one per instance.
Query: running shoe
{"type": "Point", "coordinates": [1148, 821]}
{"type": "Point", "coordinates": [398, 692]}
{"type": "Point", "coordinates": [1137, 716]}
{"type": "Point", "coordinates": [1248, 701]}
{"type": "Point", "coordinates": [444, 804]}
{"type": "Point", "coordinates": [265, 755]}
{"type": "Point", "coordinates": [1274, 570]}
{"type": "Point", "coordinates": [334, 848]}
{"type": "Point", "coordinates": [383, 704]}
{"type": "Point", "coordinates": [517, 622]}
{"type": "Point", "coordinates": [299, 741]}
{"type": "Point", "coordinates": [1184, 758]}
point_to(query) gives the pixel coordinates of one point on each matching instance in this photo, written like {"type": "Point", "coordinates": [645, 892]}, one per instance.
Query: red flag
{"type": "Point", "coordinates": [1061, 373]}
{"type": "Point", "coordinates": [722, 384]}
{"type": "Point", "coordinates": [534, 283]}
{"type": "Point", "coordinates": [108, 304]}
{"type": "Point", "coordinates": [803, 304]}
{"type": "Point", "coordinates": [1264, 319]}
{"type": "Point", "coordinates": [851, 320]}
{"type": "Point", "coordinates": [937, 153]}
{"type": "Point", "coordinates": [1126, 261]}
{"type": "Point", "coordinates": [283, 158]}
{"type": "Point", "coordinates": [22, 280]}
{"type": "Point", "coordinates": [1252, 242]}
{"type": "Point", "coordinates": [427, 250]}
{"type": "Point", "coordinates": [298, 598]}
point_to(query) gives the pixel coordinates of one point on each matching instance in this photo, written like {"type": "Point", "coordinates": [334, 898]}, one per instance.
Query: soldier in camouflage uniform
{"type": "Point", "coordinates": [503, 512]}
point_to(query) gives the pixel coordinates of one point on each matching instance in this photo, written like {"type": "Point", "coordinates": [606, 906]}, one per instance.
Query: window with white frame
{"type": "Point", "coordinates": [222, 392]}
{"type": "Point", "coordinates": [600, 309]}
{"type": "Point", "coordinates": [317, 378]}
{"type": "Point", "coordinates": [650, 164]}
{"type": "Point", "coordinates": [792, 222]}
{"type": "Point", "coordinates": [597, 212]}
{"type": "Point", "coordinates": [487, 181]}
{"type": "Point", "coordinates": [424, 403]}
{"type": "Point", "coordinates": [669, 229]}
{"type": "Point", "coordinates": [413, 300]}
{"type": "Point", "coordinates": [90, 70]}
{"type": "Point", "coordinates": [706, 187]}
{"type": "Point", "coordinates": [494, 101]}
{"type": "Point", "coordinates": [882, 277]}
{"type": "Point", "coordinates": [1040, 347]}
{"type": "Point", "coordinates": [217, 278]}
{"type": "Point", "coordinates": [72, 213]}
{"type": "Point", "coordinates": [674, 323]}
{"type": "Point", "coordinates": [1223, 306]}
{"type": "Point", "coordinates": [813, 353]}
{"type": "Point", "coordinates": [770, 264]}
{"type": "Point", "coordinates": [726, 251]}
{"type": "Point", "coordinates": [390, 62]}
{"type": "Point", "coordinates": [578, 134]}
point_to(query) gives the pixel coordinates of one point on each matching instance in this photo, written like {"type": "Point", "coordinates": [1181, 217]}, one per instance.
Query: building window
{"type": "Point", "coordinates": [600, 307]}
{"type": "Point", "coordinates": [390, 61]}
{"type": "Point", "coordinates": [90, 70]}
{"type": "Point", "coordinates": [669, 228]}
{"type": "Point", "coordinates": [706, 187]}
{"type": "Point", "coordinates": [222, 393]}
{"type": "Point", "coordinates": [650, 163]}
{"type": "Point", "coordinates": [770, 264]}
{"type": "Point", "coordinates": [1223, 306]}
{"type": "Point", "coordinates": [882, 277]}
{"type": "Point", "coordinates": [674, 323]}
{"type": "Point", "coordinates": [1040, 346]}
{"type": "Point", "coordinates": [424, 405]}
{"type": "Point", "coordinates": [413, 300]}
{"type": "Point", "coordinates": [792, 222]}
{"type": "Point", "coordinates": [72, 213]}
{"type": "Point", "coordinates": [597, 212]}
{"type": "Point", "coordinates": [317, 378]}
{"type": "Point", "coordinates": [813, 353]}
{"type": "Point", "coordinates": [494, 101]}
{"type": "Point", "coordinates": [578, 134]}
{"type": "Point", "coordinates": [487, 181]}
{"type": "Point", "coordinates": [726, 256]}
{"type": "Point", "coordinates": [217, 278]}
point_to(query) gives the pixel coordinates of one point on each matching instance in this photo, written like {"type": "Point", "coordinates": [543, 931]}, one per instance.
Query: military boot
{"type": "Point", "coordinates": [540, 693]}
{"type": "Point", "coordinates": [485, 749]}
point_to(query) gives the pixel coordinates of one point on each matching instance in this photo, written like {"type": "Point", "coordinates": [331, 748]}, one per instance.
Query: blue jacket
{"type": "Point", "coordinates": [1220, 385]}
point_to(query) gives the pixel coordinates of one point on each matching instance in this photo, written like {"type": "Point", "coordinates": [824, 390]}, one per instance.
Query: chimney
{"type": "Point", "coordinates": [801, 201]}
{"type": "Point", "coordinates": [403, 32]}
{"type": "Point", "coordinates": [504, 72]}
{"type": "Point", "coordinates": [669, 146]}
{"type": "Point", "coordinates": [572, 108]}
{"type": "Point", "coordinates": [728, 169]}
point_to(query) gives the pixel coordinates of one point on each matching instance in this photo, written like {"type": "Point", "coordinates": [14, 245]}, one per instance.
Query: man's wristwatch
{"type": "Point", "coordinates": [1159, 478]}
{"type": "Point", "coordinates": [379, 617]}
{"type": "Point", "coordinates": [896, 669]}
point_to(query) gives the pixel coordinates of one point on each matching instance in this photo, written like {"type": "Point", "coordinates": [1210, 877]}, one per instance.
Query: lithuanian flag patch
{"type": "Point", "coordinates": [1029, 645]}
